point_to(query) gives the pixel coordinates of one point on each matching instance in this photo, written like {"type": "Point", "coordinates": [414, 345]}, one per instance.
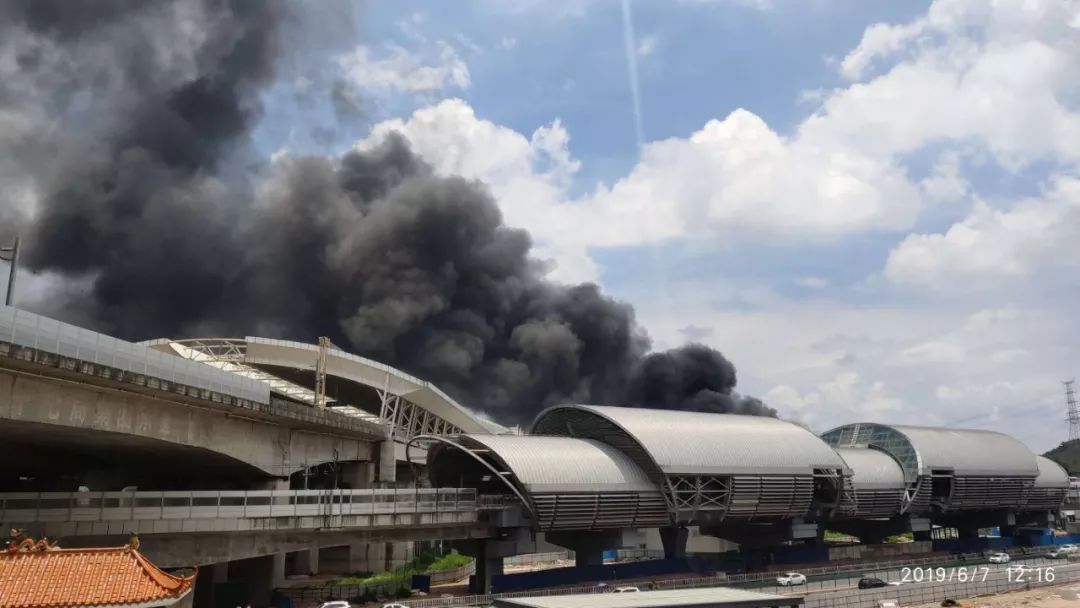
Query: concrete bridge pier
{"type": "Point", "coordinates": [305, 561]}
{"type": "Point", "coordinates": [387, 463]}
{"type": "Point", "coordinates": [489, 554]}
{"type": "Point", "coordinates": [588, 547]}
{"type": "Point", "coordinates": [487, 566]}
{"type": "Point", "coordinates": [674, 541]}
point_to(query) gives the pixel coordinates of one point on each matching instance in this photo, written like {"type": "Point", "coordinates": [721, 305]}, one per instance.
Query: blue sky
{"type": "Point", "coordinates": [868, 206]}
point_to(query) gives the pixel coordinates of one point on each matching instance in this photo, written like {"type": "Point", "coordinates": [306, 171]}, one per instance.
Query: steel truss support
{"type": "Point", "coordinates": [408, 420]}
{"type": "Point", "coordinates": [689, 495]}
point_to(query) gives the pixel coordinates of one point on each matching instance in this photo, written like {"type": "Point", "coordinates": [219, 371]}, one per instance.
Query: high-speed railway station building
{"type": "Point", "coordinates": [583, 471]}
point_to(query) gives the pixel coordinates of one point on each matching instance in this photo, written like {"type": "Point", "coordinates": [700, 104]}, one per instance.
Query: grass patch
{"type": "Point", "coordinates": [402, 576]}
{"type": "Point", "coordinates": [449, 561]}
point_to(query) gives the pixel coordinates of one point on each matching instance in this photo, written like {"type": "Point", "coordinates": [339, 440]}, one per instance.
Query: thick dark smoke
{"type": "Point", "coordinates": [152, 207]}
{"type": "Point", "coordinates": [691, 377]}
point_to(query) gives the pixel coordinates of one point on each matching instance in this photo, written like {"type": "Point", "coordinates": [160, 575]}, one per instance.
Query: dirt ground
{"type": "Point", "coordinates": [1063, 596]}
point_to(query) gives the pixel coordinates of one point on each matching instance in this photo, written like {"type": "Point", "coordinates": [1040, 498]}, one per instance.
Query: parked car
{"type": "Point", "coordinates": [1069, 549]}
{"type": "Point", "coordinates": [1000, 558]}
{"type": "Point", "coordinates": [869, 582]}
{"type": "Point", "coordinates": [791, 578]}
{"type": "Point", "coordinates": [627, 590]}
{"type": "Point", "coordinates": [1057, 554]}
{"type": "Point", "coordinates": [394, 605]}
{"type": "Point", "coordinates": [335, 604]}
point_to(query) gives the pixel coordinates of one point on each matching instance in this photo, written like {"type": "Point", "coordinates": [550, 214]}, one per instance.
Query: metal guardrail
{"type": "Point", "coordinates": [932, 593]}
{"type": "Point", "coordinates": [714, 581]}
{"type": "Point", "coordinates": [23, 507]}
{"type": "Point", "coordinates": [853, 568]}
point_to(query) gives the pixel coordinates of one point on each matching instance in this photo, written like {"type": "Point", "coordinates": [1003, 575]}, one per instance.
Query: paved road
{"type": "Point", "coordinates": [905, 576]}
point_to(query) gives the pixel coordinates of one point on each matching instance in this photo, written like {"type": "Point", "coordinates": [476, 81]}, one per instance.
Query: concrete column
{"type": "Point", "coordinates": [208, 577]}
{"type": "Point", "coordinates": [967, 531]}
{"type": "Point", "coordinates": [387, 462]}
{"type": "Point", "coordinates": [486, 567]}
{"type": "Point", "coordinates": [398, 554]}
{"type": "Point", "coordinates": [258, 577]}
{"type": "Point", "coordinates": [307, 561]}
{"type": "Point", "coordinates": [358, 475]}
{"type": "Point", "coordinates": [588, 547]}
{"type": "Point", "coordinates": [277, 570]}
{"type": "Point", "coordinates": [588, 556]}
{"type": "Point", "coordinates": [358, 558]}
{"type": "Point", "coordinates": [674, 541]}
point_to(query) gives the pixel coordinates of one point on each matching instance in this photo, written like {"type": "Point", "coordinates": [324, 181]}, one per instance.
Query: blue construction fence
{"type": "Point", "coordinates": [573, 575]}
{"type": "Point", "coordinates": [1020, 538]}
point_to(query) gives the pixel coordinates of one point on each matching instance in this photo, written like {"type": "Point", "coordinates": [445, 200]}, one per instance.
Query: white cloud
{"type": "Point", "coordinates": [997, 74]}
{"type": "Point", "coordinates": [812, 282]}
{"type": "Point", "coordinates": [967, 76]}
{"type": "Point", "coordinates": [647, 46]}
{"type": "Point", "coordinates": [399, 70]}
{"type": "Point", "coordinates": [527, 175]}
{"type": "Point", "coordinates": [945, 184]}
{"type": "Point", "coordinates": [976, 341]}
{"type": "Point", "coordinates": [996, 249]}
{"type": "Point", "coordinates": [878, 40]}
{"type": "Point", "coordinates": [846, 394]}
{"type": "Point", "coordinates": [737, 179]}
{"type": "Point", "coordinates": [507, 43]}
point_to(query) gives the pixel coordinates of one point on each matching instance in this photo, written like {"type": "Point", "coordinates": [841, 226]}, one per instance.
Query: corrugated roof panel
{"type": "Point", "coordinates": [970, 451]}
{"type": "Point", "coordinates": [872, 469]}
{"type": "Point", "coordinates": [565, 464]}
{"type": "Point", "coordinates": [699, 443]}
{"type": "Point", "coordinates": [1051, 475]}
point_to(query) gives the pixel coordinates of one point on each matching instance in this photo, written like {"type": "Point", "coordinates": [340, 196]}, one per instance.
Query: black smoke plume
{"type": "Point", "coordinates": [152, 207]}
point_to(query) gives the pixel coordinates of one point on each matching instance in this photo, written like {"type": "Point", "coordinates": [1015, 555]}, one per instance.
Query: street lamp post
{"type": "Point", "coordinates": [11, 254]}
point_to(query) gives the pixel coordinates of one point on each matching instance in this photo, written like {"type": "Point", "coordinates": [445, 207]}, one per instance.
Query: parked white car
{"type": "Point", "coordinates": [1000, 558]}
{"type": "Point", "coordinates": [1068, 549]}
{"type": "Point", "coordinates": [394, 605]}
{"type": "Point", "coordinates": [791, 578]}
{"type": "Point", "coordinates": [627, 590]}
{"type": "Point", "coordinates": [335, 604]}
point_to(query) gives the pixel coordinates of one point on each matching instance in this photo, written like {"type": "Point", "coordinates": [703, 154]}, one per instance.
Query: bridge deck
{"type": "Point", "coordinates": [146, 512]}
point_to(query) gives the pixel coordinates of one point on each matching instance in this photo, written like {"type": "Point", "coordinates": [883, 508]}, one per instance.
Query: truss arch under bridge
{"type": "Point", "coordinates": [714, 468]}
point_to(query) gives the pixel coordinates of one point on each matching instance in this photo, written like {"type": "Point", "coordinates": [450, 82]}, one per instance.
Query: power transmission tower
{"type": "Point", "coordinates": [1073, 415]}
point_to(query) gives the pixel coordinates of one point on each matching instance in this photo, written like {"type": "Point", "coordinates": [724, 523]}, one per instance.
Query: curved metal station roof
{"type": "Point", "coordinates": [970, 451]}
{"type": "Point", "coordinates": [923, 449]}
{"type": "Point", "coordinates": [242, 356]}
{"type": "Point", "coordinates": [564, 464]}
{"type": "Point", "coordinates": [699, 443]}
{"type": "Point", "coordinates": [1051, 475]}
{"type": "Point", "coordinates": [872, 469]}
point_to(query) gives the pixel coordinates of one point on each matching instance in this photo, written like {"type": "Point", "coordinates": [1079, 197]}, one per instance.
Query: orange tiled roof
{"type": "Point", "coordinates": [60, 578]}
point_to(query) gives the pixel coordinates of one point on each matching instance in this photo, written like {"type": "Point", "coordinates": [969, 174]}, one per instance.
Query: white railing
{"type": "Point", "coordinates": [22, 507]}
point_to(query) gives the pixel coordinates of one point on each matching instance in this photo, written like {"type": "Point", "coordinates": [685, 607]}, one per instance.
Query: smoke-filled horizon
{"type": "Point", "coordinates": [137, 184]}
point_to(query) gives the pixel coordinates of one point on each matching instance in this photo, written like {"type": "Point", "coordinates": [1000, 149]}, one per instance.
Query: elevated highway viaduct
{"type": "Point", "coordinates": [78, 408]}
{"type": "Point", "coordinates": [102, 438]}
